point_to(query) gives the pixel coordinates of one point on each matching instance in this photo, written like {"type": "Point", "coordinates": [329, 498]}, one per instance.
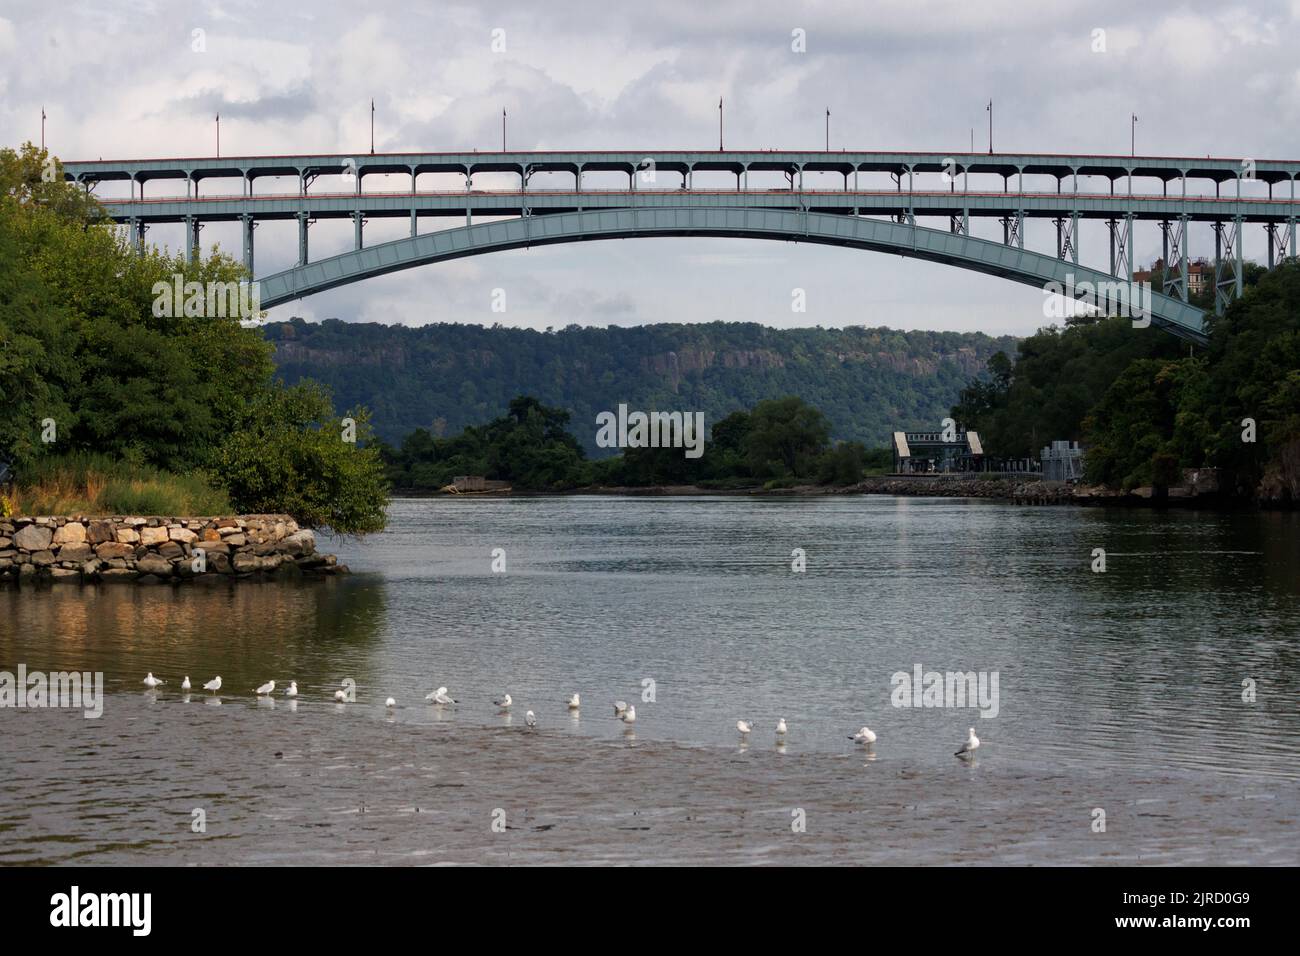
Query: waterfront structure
{"type": "Point", "coordinates": [1062, 461]}
{"type": "Point", "coordinates": [886, 220]}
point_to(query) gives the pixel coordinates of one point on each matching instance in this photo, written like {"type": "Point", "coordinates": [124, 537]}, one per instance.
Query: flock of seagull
{"type": "Point", "coordinates": [622, 710]}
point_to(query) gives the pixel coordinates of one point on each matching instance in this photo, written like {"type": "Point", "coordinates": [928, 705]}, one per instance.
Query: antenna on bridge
{"type": "Point", "coordinates": [503, 129]}
{"type": "Point", "coordinates": [719, 124]}
{"type": "Point", "coordinates": [42, 129]}
{"type": "Point", "coordinates": [372, 126]}
{"type": "Point", "coordinates": [218, 135]}
{"type": "Point", "coordinates": [990, 109]}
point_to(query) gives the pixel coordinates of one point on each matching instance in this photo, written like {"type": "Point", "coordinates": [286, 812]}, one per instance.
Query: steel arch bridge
{"type": "Point", "coordinates": [884, 220]}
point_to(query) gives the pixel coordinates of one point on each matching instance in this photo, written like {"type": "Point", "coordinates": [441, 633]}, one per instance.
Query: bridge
{"type": "Point", "coordinates": [921, 186]}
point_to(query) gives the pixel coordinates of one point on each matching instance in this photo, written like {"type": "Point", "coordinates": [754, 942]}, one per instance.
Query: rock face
{"type": "Point", "coordinates": [154, 550]}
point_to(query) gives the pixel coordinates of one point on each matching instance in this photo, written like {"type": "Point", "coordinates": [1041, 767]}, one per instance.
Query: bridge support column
{"type": "Point", "coordinates": [192, 227]}
{"type": "Point", "coordinates": [359, 222]}
{"type": "Point", "coordinates": [249, 225]}
{"type": "Point", "coordinates": [1227, 264]}
{"type": "Point", "coordinates": [302, 238]}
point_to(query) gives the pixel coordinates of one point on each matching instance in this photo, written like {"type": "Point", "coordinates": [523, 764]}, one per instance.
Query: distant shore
{"type": "Point", "coordinates": [1021, 490]}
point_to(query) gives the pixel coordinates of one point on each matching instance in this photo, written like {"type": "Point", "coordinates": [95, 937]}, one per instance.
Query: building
{"type": "Point", "coordinates": [1062, 461]}
{"type": "Point", "coordinates": [928, 453]}
{"type": "Point", "coordinates": [1200, 275]}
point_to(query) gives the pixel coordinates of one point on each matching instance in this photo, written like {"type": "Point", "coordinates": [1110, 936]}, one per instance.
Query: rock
{"type": "Point", "coordinates": [43, 558]}
{"type": "Point", "coordinates": [34, 538]}
{"type": "Point", "coordinates": [74, 532]}
{"type": "Point", "coordinates": [236, 540]}
{"type": "Point", "coordinates": [152, 564]}
{"type": "Point", "coordinates": [211, 534]}
{"type": "Point", "coordinates": [135, 522]}
{"type": "Point", "coordinates": [219, 562]}
{"type": "Point", "coordinates": [181, 534]}
{"type": "Point", "coordinates": [74, 552]}
{"type": "Point", "coordinates": [100, 531]}
{"type": "Point", "coordinates": [170, 549]}
{"type": "Point", "coordinates": [152, 536]}
{"type": "Point", "coordinates": [245, 562]}
{"type": "Point", "coordinates": [64, 575]}
{"type": "Point", "coordinates": [26, 571]}
{"type": "Point", "coordinates": [300, 542]}
{"type": "Point", "coordinates": [128, 535]}
{"type": "Point", "coordinates": [117, 574]}
{"type": "Point", "coordinates": [5, 542]}
{"type": "Point", "coordinates": [91, 567]}
{"type": "Point", "coordinates": [150, 579]}
{"type": "Point", "coordinates": [110, 549]}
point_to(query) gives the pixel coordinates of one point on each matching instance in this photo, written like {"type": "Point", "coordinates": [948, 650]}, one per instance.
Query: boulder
{"type": "Point", "coordinates": [117, 575]}
{"type": "Point", "coordinates": [64, 575]}
{"type": "Point", "coordinates": [181, 534]}
{"type": "Point", "coordinates": [152, 564]}
{"type": "Point", "coordinates": [236, 540]}
{"type": "Point", "coordinates": [100, 531]}
{"type": "Point", "coordinates": [152, 536]}
{"type": "Point", "coordinates": [245, 562]}
{"type": "Point", "coordinates": [74, 552]}
{"type": "Point", "coordinates": [74, 532]}
{"type": "Point", "coordinates": [128, 535]}
{"type": "Point", "coordinates": [170, 549]}
{"type": "Point", "coordinates": [43, 558]}
{"type": "Point", "coordinates": [300, 542]}
{"type": "Point", "coordinates": [34, 538]}
{"type": "Point", "coordinates": [110, 549]}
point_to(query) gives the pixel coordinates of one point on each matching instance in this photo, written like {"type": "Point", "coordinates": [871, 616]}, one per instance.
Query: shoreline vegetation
{"type": "Point", "coordinates": [116, 402]}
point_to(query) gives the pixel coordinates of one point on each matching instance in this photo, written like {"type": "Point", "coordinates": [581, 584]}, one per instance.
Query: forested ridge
{"type": "Point", "coordinates": [444, 377]}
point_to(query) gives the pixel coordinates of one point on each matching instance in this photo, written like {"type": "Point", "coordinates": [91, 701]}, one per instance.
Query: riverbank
{"type": "Point", "coordinates": [1198, 490]}
{"type": "Point", "coordinates": [157, 550]}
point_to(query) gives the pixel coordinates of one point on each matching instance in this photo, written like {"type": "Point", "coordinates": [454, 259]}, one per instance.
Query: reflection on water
{"type": "Point", "coordinates": [1119, 687]}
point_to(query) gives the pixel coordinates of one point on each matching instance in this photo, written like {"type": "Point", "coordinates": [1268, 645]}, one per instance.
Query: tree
{"type": "Point", "coordinates": [785, 435]}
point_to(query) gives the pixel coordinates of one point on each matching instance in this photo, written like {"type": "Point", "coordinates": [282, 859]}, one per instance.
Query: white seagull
{"type": "Point", "coordinates": [440, 696]}
{"type": "Point", "coordinates": [265, 689]}
{"type": "Point", "coordinates": [574, 702]}
{"type": "Point", "coordinates": [744, 727]}
{"type": "Point", "coordinates": [504, 702]}
{"type": "Point", "coordinates": [292, 689]}
{"type": "Point", "coordinates": [213, 685]}
{"type": "Point", "coordinates": [341, 696]}
{"type": "Point", "coordinates": [969, 747]}
{"type": "Point", "coordinates": [151, 682]}
{"type": "Point", "coordinates": [620, 708]}
{"type": "Point", "coordinates": [864, 736]}
{"type": "Point", "coordinates": [390, 703]}
{"type": "Point", "coordinates": [628, 716]}
{"type": "Point", "coordinates": [185, 684]}
{"type": "Point", "coordinates": [530, 719]}
{"type": "Point", "coordinates": [780, 727]}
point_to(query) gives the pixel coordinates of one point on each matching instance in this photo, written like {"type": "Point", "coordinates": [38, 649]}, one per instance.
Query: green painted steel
{"type": "Point", "coordinates": [992, 258]}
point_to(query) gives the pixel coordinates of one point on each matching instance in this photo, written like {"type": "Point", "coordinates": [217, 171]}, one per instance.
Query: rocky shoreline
{"type": "Point", "coordinates": [158, 550]}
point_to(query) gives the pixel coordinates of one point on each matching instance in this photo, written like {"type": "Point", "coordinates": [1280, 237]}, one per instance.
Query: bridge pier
{"type": "Point", "coordinates": [249, 224]}
{"type": "Point", "coordinates": [302, 238]}
{"type": "Point", "coordinates": [192, 227]}
{"type": "Point", "coordinates": [359, 222]}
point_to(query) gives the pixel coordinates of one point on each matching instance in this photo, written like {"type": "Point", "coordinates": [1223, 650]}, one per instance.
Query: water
{"type": "Point", "coordinates": [1121, 691]}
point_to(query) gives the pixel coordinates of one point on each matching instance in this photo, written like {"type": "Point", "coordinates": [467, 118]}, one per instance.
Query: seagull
{"type": "Point", "coordinates": [628, 716]}
{"type": "Point", "coordinates": [390, 703]}
{"type": "Point", "coordinates": [440, 696]}
{"type": "Point", "coordinates": [292, 689]}
{"type": "Point", "coordinates": [574, 702]}
{"type": "Point", "coordinates": [620, 708]}
{"type": "Point", "coordinates": [341, 696]}
{"type": "Point", "coordinates": [864, 736]}
{"type": "Point", "coordinates": [213, 685]}
{"type": "Point", "coordinates": [151, 682]}
{"type": "Point", "coordinates": [185, 684]}
{"type": "Point", "coordinates": [530, 719]}
{"type": "Point", "coordinates": [969, 747]}
{"type": "Point", "coordinates": [780, 727]}
{"type": "Point", "coordinates": [504, 703]}
{"type": "Point", "coordinates": [744, 727]}
{"type": "Point", "coordinates": [265, 689]}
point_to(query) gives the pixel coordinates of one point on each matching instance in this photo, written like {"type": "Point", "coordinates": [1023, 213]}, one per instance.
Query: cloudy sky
{"type": "Point", "coordinates": [123, 79]}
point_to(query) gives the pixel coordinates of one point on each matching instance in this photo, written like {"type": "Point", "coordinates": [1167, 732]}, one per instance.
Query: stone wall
{"type": "Point", "coordinates": [154, 550]}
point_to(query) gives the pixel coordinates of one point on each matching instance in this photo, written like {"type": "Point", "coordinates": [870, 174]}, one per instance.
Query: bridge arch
{"type": "Point", "coordinates": [918, 242]}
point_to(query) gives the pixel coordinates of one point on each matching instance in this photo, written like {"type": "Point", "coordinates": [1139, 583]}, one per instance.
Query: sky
{"type": "Point", "coordinates": [124, 79]}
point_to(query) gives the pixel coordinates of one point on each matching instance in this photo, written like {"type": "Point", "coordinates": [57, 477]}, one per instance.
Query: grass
{"type": "Point", "coordinates": [88, 484]}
